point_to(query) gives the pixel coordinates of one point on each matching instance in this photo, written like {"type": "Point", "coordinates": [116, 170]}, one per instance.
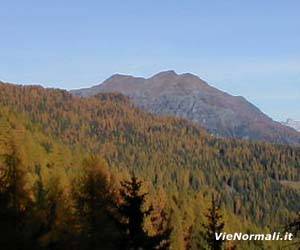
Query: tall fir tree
{"type": "Point", "coordinates": [294, 228]}
{"type": "Point", "coordinates": [93, 199]}
{"type": "Point", "coordinates": [43, 214]}
{"type": "Point", "coordinates": [215, 225]}
{"type": "Point", "coordinates": [132, 213]}
{"type": "Point", "coordinates": [14, 203]}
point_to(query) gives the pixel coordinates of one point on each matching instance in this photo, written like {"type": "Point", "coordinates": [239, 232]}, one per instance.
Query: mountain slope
{"type": "Point", "coordinates": [257, 182]}
{"type": "Point", "coordinates": [293, 124]}
{"type": "Point", "coordinates": [187, 96]}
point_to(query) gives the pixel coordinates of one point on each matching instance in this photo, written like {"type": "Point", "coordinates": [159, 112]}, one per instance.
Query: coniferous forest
{"type": "Point", "coordinates": [98, 173]}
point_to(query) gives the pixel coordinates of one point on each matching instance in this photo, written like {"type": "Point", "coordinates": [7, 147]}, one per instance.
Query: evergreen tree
{"type": "Point", "coordinates": [44, 212]}
{"type": "Point", "coordinates": [294, 228]}
{"type": "Point", "coordinates": [93, 198]}
{"type": "Point", "coordinates": [215, 225]}
{"type": "Point", "coordinates": [132, 213]}
{"type": "Point", "coordinates": [14, 203]}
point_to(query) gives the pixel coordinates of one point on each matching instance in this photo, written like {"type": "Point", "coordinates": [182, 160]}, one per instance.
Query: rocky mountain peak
{"type": "Point", "coordinates": [164, 74]}
{"type": "Point", "coordinates": [188, 96]}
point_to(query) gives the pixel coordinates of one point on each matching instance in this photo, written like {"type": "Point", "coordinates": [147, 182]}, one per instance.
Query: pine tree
{"type": "Point", "coordinates": [93, 199]}
{"type": "Point", "coordinates": [44, 212]}
{"type": "Point", "coordinates": [215, 225]}
{"type": "Point", "coordinates": [132, 213]}
{"type": "Point", "coordinates": [294, 228]}
{"type": "Point", "coordinates": [14, 202]}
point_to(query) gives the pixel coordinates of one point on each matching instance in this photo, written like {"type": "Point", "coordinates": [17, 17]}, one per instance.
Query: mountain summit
{"type": "Point", "coordinates": [187, 96]}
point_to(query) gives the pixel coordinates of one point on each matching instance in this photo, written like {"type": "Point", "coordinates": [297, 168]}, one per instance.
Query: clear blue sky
{"type": "Point", "coordinates": [249, 48]}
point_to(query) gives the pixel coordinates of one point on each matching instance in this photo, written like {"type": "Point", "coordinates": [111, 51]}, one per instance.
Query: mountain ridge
{"type": "Point", "coordinates": [292, 123]}
{"type": "Point", "coordinates": [188, 96]}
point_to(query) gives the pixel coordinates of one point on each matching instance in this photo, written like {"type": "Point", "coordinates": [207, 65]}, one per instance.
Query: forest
{"type": "Point", "coordinates": [98, 173]}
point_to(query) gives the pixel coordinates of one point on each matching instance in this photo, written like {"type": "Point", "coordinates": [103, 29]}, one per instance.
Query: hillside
{"type": "Point", "coordinates": [293, 124]}
{"type": "Point", "coordinates": [255, 180]}
{"type": "Point", "coordinates": [187, 96]}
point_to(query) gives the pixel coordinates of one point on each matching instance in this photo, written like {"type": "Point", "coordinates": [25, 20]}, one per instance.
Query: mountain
{"type": "Point", "coordinates": [292, 123]}
{"type": "Point", "coordinates": [187, 96]}
{"type": "Point", "coordinates": [258, 183]}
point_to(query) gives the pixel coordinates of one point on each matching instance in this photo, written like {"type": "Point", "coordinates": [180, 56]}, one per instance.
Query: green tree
{"type": "Point", "coordinates": [132, 213]}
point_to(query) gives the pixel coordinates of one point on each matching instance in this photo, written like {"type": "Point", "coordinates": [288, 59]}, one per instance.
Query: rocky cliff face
{"type": "Point", "coordinates": [187, 96]}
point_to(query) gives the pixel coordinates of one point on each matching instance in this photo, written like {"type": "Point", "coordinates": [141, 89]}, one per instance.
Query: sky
{"type": "Point", "coordinates": [248, 48]}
